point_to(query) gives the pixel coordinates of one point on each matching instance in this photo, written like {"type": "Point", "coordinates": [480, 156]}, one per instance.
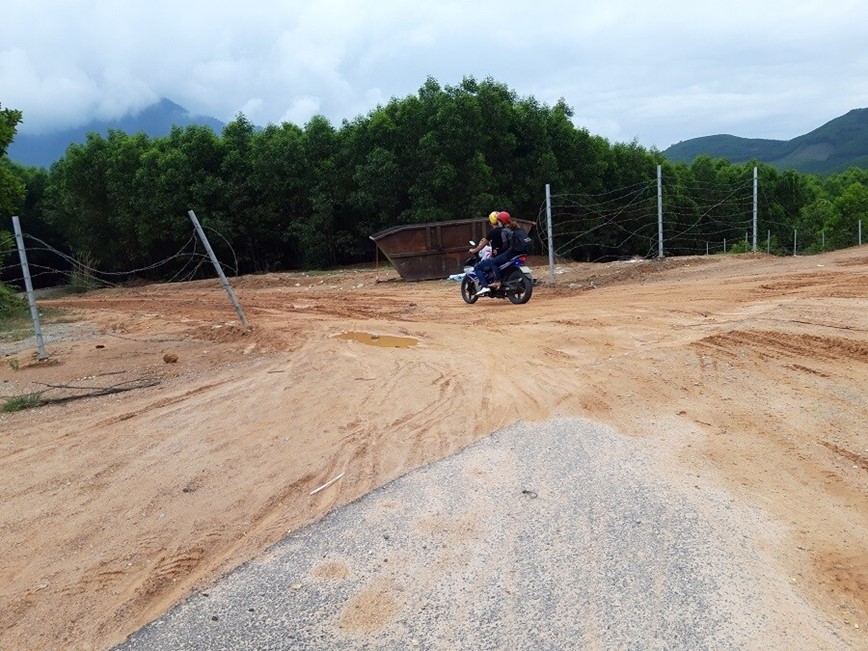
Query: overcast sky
{"type": "Point", "coordinates": [659, 72]}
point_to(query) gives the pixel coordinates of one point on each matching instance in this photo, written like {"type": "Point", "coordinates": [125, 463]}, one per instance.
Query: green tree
{"type": "Point", "coordinates": [11, 187]}
{"type": "Point", "coordinates": [279, 180]}
{"type": "Point", "coordinates": [177, 173]}
{"type": "Point", "coordinates": [11, 195]}
{"type": "Point", "coordinates": [317, 233]}
{"type": "Point", "coordinates": [46, 268]}
{"type": "Point", "coordinates": [77, 203]}
{"type": "Point", "coordinates": [851, 207]}
{"type": "Point", "coordinates": [239, 204]}
{"type": "Point", "coordinates": [818, 216]}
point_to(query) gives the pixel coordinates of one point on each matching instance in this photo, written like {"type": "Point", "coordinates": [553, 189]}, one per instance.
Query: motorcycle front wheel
{"type": "Point", "coordinates": [468, 290]}
{"type": "Point", "coordinates": [518, 288]}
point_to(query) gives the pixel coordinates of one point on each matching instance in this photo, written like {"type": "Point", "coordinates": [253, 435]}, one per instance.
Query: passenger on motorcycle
{"type": "Point", "coordinates": [498, 239]}
{"type": "Point", "coordinates": [504, 253]}
{"type": "Point", "coordinates": [493, 238]}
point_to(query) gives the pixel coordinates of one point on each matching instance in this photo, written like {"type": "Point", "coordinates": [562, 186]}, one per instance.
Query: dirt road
{"type": "Point", "coordinates": [753, 370]}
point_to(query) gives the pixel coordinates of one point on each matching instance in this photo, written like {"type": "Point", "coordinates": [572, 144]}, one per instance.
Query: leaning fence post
{"type": "Point", "coordinates": [31, 297]}
{"type": "Point", "coordinates": [217, 267]}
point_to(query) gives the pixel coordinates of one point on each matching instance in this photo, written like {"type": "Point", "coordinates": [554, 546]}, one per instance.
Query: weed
{"type": "Point", "coordinates": [27, 401]}
{"type": "Point", "coordinates": [12, 306]}
{"type": "Point", "coordinates": [13, 364]}
{"type": "Point", "coordinates": [81, 279]}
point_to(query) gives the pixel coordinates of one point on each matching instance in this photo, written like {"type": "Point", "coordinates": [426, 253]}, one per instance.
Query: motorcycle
{"type": "Point", "coordinates": [516, 281]}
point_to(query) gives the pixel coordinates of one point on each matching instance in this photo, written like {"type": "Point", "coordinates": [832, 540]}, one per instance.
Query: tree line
{"type": "Point", "coordinates": [289, 197]}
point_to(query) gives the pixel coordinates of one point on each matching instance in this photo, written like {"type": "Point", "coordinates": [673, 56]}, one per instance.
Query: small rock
{"type": "Point", "coordinates": [170, 358]}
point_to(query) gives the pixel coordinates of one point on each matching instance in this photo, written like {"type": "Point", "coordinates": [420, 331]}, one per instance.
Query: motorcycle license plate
{"type": "Point", "coordinates": [526, 270]}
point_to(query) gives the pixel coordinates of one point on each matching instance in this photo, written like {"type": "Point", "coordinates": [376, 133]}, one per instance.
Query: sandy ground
{"type": "Point", "coordinates": [751, 370]}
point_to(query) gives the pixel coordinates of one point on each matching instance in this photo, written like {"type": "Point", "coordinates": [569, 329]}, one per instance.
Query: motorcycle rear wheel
{"type": "Point", "coordinates": [468, 290]}
{"type": "Point", "coordinates": [518, 288]}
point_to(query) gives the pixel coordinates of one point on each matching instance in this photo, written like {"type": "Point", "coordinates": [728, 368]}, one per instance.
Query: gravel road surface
{"type": "Point", "coordinates": [555, 535]}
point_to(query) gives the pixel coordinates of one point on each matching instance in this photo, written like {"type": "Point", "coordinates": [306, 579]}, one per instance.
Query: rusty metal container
{"type": "Point", "coordinates": [433, 250]}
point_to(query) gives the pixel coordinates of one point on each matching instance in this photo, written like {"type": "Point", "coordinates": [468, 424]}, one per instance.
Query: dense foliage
{"type": "Point", "coordinates": [287, 197]}
{"type": "Point", "coordinates": [12, 190]}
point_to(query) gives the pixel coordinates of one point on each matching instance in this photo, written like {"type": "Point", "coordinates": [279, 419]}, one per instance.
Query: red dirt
{"type": "Point", "coordinates": [116, 507]}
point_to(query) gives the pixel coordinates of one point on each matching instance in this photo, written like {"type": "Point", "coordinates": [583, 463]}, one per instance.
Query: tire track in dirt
{"type": "Point", "coordinates": [161, 403]}
{"type": "Point", "coordinates": [777, 345]}
{"type": "Point", "coordinates": [860, 460]}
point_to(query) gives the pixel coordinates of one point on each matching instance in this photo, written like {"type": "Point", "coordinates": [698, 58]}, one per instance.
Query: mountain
{"type": "Point", "coordinates": [156, 120]}
{"type": "Point", "coordinates": [834, 147]}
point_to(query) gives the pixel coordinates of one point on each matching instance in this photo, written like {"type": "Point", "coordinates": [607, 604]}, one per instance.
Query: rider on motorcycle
{"type": "Point", "coordinates": [505, 253]}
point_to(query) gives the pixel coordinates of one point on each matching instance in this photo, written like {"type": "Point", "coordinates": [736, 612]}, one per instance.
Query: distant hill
{"type": "Point", "coordinates": [156, 120]}
{"type": "Point", "coordinates": [834, 147]}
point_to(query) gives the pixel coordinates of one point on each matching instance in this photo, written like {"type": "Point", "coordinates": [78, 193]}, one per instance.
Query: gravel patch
{"type": "Point", "coordinates": [556, 535]}
{"type": "Point", "coordinates": [52, 333]}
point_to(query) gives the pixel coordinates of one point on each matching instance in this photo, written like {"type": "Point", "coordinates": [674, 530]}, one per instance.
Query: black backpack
{"type": "Point", "coordinates": [520, 241]}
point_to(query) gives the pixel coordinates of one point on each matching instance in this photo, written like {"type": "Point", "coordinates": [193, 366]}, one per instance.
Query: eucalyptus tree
{"type": "Point", "coordinates": [11, 187]}
{"type": "Point", "coordinates": [280, 183]}
{"type": "Point", "coordinates": [851, 207]}
{"type": "Point", "coordinates": [378, 195]}
{"type": "Point", "coordinates": [242, 210]}
{"type": "Point", "coordinates": [78, 204]}
{"type": "Point", "coordinates": [177, 173]}
{"type": "Point", "coordinates": [11, 195]}
{"type": "Point", "coordinates": [316, 234]}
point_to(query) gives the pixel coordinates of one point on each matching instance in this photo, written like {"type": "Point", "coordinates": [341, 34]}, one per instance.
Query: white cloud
{"type": "Point", "coordinates": [660, 72]}
{"type": "Point", "coordinates": [301, 110]}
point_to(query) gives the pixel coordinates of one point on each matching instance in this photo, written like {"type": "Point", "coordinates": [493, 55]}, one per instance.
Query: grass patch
{"type": "Point", "coordinates": [15, 330]}
{"type": "Point", "coordinates": [27, 401]}
{"type": "Point", "coordinates": [12, 306]}
{"type": "Point", "coordinates": [15, 321]}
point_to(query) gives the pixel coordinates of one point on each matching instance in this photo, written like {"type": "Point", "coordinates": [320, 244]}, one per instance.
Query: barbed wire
{"type": "Point", "coordinates": [84, 271]}
{"type": "Point", "coordinates": [610, 221]}
{"type": "Point", "coordinates": [577, 217]}
{"type": "Point", "coordinates": [80, 265]}
{"type": "Point", "coordinates": [230, 247]}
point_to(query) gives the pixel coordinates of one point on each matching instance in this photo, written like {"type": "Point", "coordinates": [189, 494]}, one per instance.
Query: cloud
{"type": "Point", "coordinates": [658, 72]}
{"type": "Point", "coordinates": [302, 109]}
